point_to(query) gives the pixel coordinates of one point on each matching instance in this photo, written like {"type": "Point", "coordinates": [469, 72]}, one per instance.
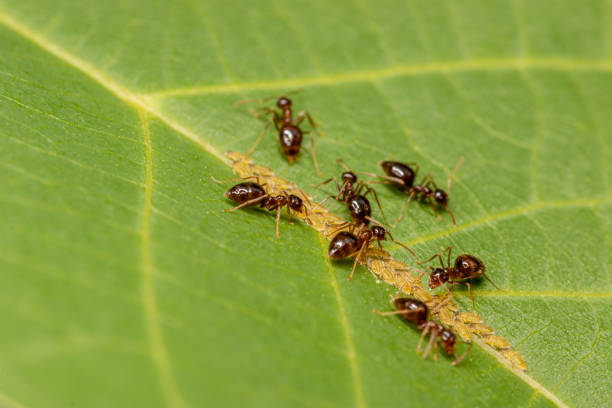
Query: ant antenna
{"type": "Point", "coordinates": [459, 163]}
{"type": "Point", "coordinates": [391, 236]}
{"type": "Point", "coordinates": [451, 214]}
{"type": "Point", "coordinates": [460, 359]}
{"type": "Point", "coordinates": [341, 162]}
{"type": "Point", "coordinates": [244, 101]}
{"type": "Point", "coordinates": [236, 179]}
{"type": "Point", "coordinates": [492, 283]}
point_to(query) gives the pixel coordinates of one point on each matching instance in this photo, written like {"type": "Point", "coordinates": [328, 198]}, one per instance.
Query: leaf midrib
{"type": "Point", "coordinates": [146, 104]}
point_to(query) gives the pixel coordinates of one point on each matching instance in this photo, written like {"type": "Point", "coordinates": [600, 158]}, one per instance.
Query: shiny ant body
{"type": "Point", "coordinates": [417, 313]}
{"type": "Point", "coordinates": [466, 267]}
{"type": "Point", "coordinates": [251, 194]}
{"type": "Point", "coordinates": [403, 176]}
{"type": "Point", "coordinates": [289, 132]}
{"type": "Point", "coordinates": [350, 194]}
{"type": "Point", "coordinates": [346, 244]}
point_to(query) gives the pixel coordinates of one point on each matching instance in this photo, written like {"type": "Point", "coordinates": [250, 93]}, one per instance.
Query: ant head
{"type": "Point", "coordinates": [349, 177]}
{"type": "Point", "coordinates": [438, 277]}
{"type": "Point", "coordinates": [441, 197]}
{"type": "Point", "coordinates": [378, 232]}
{"type": "Point", "coordinates": [448, 341]}
{"type": "Point", "coordinates": [295, 202]}
{"type": "Point", "coordinates": [283, 102]}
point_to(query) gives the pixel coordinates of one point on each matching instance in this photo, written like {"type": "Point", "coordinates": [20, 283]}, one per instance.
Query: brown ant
{"type": "Point", "coordinates": [250, 194]}
{"type": "Point", "coordinates": [466, 267]}
{"type": "Point", "coordinates": [349, 193]}
{"type": "Point", "coordinates": [402, 176]}
{"type": "Point", "coordinates": [346, 244]}
{"type": "Point", "coordinates": [288, 127]}
{"type": "Point", "coordinates": [417, 312]}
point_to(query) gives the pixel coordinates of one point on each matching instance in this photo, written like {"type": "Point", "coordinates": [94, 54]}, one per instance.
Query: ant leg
{"type": "Point", "coordinates": [314, 156]}
{"type": "Point", "coordinates": [278, 214]}
{"type": "Point", "coordinates": [460, 359]}
{"type": "Point", "coordinates": [250, 202]}
{"type": "Point", "coordinates": [439, 306]}
{"type": "Point", "coordinates": [323, 183]}
{"type": "Point", "coordinates": [432, 338]}
{"type": "Point", "coordinates": [469, 291]}
{"type": "Point", "coordinates": [289, 214]}
{"type": "Point", "coordinates": [388, 178]}
{"type": "Point", "coordinates": [377, 201]}
{"type": "Point", "coordinates": [450, 250]}
{"type": "Point", "coordinates": [267, 98]}
{"type": "Point", "coordinates": [341, 226]}
{"type": "Point", "coordinates": [341, 162]}
{"type": "Point", "coordinates": [263, 132]}
{"type": "Point", "coordinates": [395, 312]}
{"type": "Point", "coordinates": [404, 208]}
{"type": "Point", "coordinates": [425, 331]}
{"type": "Point", "coordinates": [459, 163]}
{"type": "Point", "coordinates": [300, 117]}
{"type": "Point", "coordinates": [357, 258]}
{"type": "Point", "coordinates": [431, 259]}
{"type": "Point", "coordinates": [234, 180]}
{"type": "Point", "coordinates": [262, 100]}
{"type": "Point", "coordinates": [435, 352]}
{"type": "Point", "coordinates": [427, 180]}
{"type": "Point", "coordinates": [451, 214]}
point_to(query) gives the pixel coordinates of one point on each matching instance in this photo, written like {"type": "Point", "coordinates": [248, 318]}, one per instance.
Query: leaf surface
{"type": "Point", "coordinates": [126, 285]}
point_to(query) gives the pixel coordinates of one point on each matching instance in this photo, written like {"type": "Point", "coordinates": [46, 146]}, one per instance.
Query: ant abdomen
{"type": "Point", "coordinates": [467, 267]}
{"type": "Point", "coordinates": [343, 245]}
{"type": "Point", "coordinates": [360, 209]}
{"type": "Point", "coordinates": [412, 310]}
{"type": "Point", "coordinates": [399, 171]}
{"type": "Point", "coordinates": [291, 141]}
{"type": "Point", "coordinates": [243, 192]}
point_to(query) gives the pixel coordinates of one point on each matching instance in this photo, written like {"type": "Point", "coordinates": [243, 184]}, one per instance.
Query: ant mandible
{"type": "Point", "coordinates": [288, 127]}
{"type": "Point", "coordinates": [402, 176]}
{"type": "Point", "coordinates": [466, 267]}
{"type": "Point", "coordinates": [346, 244]}
{"type": "Point", "coordinates": [417, 312]}
{"type": "Point", "coordinates": [250, 194]}
{"type": "Point", "coordinates": [349, 193]}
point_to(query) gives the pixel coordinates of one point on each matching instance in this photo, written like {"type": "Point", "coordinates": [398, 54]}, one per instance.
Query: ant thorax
{"type": "Point", "coordinates": [438, 277]}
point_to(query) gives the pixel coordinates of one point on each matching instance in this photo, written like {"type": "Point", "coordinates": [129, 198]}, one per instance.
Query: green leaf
{"type": "Point", "coordinates": [125, 284]}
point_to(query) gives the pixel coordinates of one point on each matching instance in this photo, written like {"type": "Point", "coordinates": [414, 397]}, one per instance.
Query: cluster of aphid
{"type": "Point", "coordinates": [355, 238]}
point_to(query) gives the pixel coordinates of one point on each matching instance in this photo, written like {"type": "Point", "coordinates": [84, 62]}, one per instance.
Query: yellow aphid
{"type": "Point", "coordinates": [398, 265]}
{"type": "Point", "coordinates": [496, 341]}
{"type": "Point", "coordinates": [446, 316]}
{"type": "Point", "coordinates": [469, 318]}
{"type": "Point", "coordinates": [462, 330]}
{"type": "Point", "coordinates": [481, 329]}
{"type": "Point", "coordinates": [266, 172]}
{"type": "Point", "coordinates": [423, 295]}
{"type": "Point", "coordinates": [378, 253]}
{"type": "Point", "coordinates": [377, 266]}
{"type": "Point", "coordinates": [515, 358]}
{"type": "Point", "coordinates": [238, 157]}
